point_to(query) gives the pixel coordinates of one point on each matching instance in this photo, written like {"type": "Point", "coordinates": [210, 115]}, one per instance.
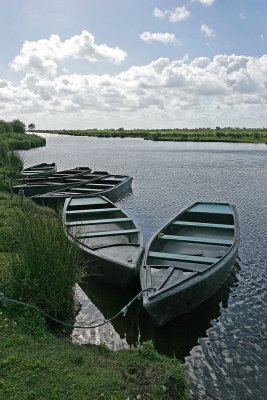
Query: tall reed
{"type": "Point", "coordinates": [46, 266]}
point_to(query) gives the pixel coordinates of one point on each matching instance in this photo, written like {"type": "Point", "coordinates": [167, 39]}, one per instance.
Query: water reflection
{"type": "Point", "coordinates": [224, 349]}
{"type": "Point", "coordinates": [175, 338]}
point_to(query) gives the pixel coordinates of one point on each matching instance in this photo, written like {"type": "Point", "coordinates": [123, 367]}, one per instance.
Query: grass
{"type": "Point", "coordinates": [42, 366]}
{"type": "Point", "coordinates": [36, 265]}
{"type": "Point", "coordinates": [238, 135]}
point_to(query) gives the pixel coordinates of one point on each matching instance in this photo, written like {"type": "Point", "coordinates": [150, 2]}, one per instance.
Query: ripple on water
{"type": "Point", "coordinates": [224, 340]}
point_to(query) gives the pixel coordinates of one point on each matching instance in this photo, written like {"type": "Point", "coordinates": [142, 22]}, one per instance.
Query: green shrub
{"type": "Point", "coordinates": [46, 266]}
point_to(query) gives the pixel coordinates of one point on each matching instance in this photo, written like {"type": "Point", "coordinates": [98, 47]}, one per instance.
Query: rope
{"type": "Point", "coordinates": [123, 311]}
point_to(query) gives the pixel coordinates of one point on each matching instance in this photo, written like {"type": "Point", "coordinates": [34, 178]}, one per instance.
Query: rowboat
{"type": "Point", "coordinates": [111, 241]}
{"type": "Point", "coordinates": [58, 181]}
{"type": "Point", "coordinates": [189, 259]}
{"type": "Point", "coordinates": [111, 186]}
{"type": "Point", "coordinates": [39, 170]}
{"type": "Point", "coordinates": [56, 175]}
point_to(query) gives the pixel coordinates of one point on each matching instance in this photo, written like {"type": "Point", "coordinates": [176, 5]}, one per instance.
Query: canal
{"type": "Point", "coordinates": [222, 342]}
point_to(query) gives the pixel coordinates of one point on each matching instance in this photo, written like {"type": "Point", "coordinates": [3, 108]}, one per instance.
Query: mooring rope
{"type": "Point", "coordinates": [123, 311]}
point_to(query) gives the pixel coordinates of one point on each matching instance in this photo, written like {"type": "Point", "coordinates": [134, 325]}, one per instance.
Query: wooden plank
{"type": "Point", "coordinates": [211, 208]}
{"type": "Point", "coordinates": [203, 225]}
{"type": "Point", "coordinates": [92, 211]}
{"type": "Point", "coordinates": [182, 257]}
{"type": "Point", "coordinates": [108, 233]}
{"type": "Point", "coordinates": [98, 221]}
{"type": "Point", "coordinates": [192, 239]}
{"type": "Point", "coordinates": [192, 268]}
{"type": "Point", "coordinates": [87, 201]}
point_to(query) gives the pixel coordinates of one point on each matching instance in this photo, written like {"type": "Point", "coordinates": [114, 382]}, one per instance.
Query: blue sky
{"type": "Point", "coordinates": [142, 63]}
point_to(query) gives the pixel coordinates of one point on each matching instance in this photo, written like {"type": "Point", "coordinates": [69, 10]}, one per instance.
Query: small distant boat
{"type": "Point", "coordinates": [189, 259]}
{"type": "Point", "coordinates": [58, 180]}
{"type": "Point", "coordinates": [111, 186]}
{"type": "Point", "coordinates": [111, 241]}
{"type": "Point", "coordinates": [39, 170]}
{"type": "Point", "coordinates": [57, 175]}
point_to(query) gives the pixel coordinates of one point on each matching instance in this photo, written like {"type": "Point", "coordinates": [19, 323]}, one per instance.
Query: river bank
{"type": "Point", "coordinates": [36, 363]}
{"type": "Point", "coordinates": [232, 135]}
{"type": "Point", "coordinates": [223, 339]}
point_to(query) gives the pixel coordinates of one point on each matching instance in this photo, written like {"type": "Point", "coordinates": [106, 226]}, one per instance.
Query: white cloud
{"type": "Point", "coordinates": [158, 13]}
{"type": "Point", "coordinates": [165, 38]}
{"type": "Point", "coordinates": [40, 57]}
{"type": "Point", "coordinates": [176, 15]}
{"type": "Point", "coordinates": [207, 30]}
{"type": "Point", "coordinates": [163, 92]}
{"type": "Point", "coordinates": [204, 2]}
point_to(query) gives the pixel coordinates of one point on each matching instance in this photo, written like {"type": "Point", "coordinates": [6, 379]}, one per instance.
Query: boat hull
{"type": "Point", "coordinates": [111, 242]}
{"type": "Point", "coordinates": [55, 199]}
{"type": "Point", "coordinates": [183, 298]}
{"type": "Point", "coordinates": [118, 274]}
{"type": "Point", "coordinates": [189, 259]}
{"type": "Point", "coordinates": [39, 170]}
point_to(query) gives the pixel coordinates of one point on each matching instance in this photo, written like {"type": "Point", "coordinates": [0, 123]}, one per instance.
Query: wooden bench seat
{"type": "Point", "coordinates": [98, 221]}
{"type": "Point", "coordinates": [192, 239]}
{"type": "Point", "coordinates": [203, 225]}
{"type": "Point", "coordinates": [107, 233]}
{"type": "Point", "coordinates": [92, 211]}
{"type": "Point", "coordinates": [182, 257]}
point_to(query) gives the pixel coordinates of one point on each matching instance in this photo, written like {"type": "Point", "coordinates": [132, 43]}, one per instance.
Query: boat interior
{"type": "Point", "coordinates": [190, 244]}
{"type": "Point", "coordinates": [97, 185]}
{"type": "Point", "coordinates": [98, 223]}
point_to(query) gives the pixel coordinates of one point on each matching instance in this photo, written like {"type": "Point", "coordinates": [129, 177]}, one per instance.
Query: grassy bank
{"type": "Point", "coordinates": [37, 365]}
{"type": "Point", "coordinates": [38, 266]}
{"type": "Point", "coordinates": [238, 135]}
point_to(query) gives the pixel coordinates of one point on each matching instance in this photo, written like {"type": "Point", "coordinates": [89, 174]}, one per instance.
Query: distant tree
{"type": "Point", "coordinates": [31, 127]}
{"type": "Point", "coordinates": [18, 126]}
{"type": "Point", "coordinates": [5, 127]}
{"type": "Point", "coordinates": [121, 129]}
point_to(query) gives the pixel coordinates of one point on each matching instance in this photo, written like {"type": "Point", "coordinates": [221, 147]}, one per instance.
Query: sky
{"type": "Point", "coordinates": [80, 64]}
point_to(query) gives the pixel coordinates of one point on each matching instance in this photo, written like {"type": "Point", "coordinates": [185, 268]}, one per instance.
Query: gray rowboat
{"type": "Point", "coordinates": [39, 170]}
{"type": "Point", "coordinates": [58, 181]}
{"type": "Point", "coordinates": [111, 242]}
{"type": "Point", "coordinates": [189, 259]}
{"type": "Point", "coordinates": [111, 186]}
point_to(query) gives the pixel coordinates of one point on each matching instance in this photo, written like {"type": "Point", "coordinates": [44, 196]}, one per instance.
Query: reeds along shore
{"type": "Point", "coordinates": [235, 135]}
{"type": "Point", "coordinates": [36, 265]}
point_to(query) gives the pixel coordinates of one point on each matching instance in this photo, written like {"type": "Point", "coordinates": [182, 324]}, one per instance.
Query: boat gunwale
{"type": "Point", "coordinates": [64, 195]}
{"type": "Point", "coordinates": [197, 276]}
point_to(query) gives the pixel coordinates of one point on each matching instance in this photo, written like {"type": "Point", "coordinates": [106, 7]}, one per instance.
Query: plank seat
{"type": "Point", "coordinates": [102, 184]}
{"type": "Point", "coordinates": [182, 257]}
{"type": "Point", "coordinates": [91, 211]}
{"type": "Point", "coordinates": [203, 225]}
{"type": "Point", "coordinates": [192, 239]}
{"type": "Point", "coordinates": [210, 208]}
{"type": "Point", "coordinates": [86, 189]}
{"type": "Point", "coordinates": [98, 221]}
{"type": "Point", "coordinates": [108, 233]}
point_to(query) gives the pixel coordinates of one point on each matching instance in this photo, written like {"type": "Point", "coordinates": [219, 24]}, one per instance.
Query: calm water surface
{"type": "Point", "coordinates": [222, 342]}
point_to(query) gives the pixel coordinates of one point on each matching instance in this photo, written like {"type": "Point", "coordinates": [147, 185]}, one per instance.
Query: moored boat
{"type": "Point", "coordinates": [189, 259]}
{"type": "Point", "coordinates": [39, 170]}
{"type": "Point", "coordinates": [111, 186]}
{"type": "Point", "coordinates": [59, 180]}
{"type": "Point", "coordinates": [111, 241]}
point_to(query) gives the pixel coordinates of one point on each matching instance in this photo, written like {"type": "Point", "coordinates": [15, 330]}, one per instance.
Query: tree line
{"type": "Point", "coordinates": [15, 126]}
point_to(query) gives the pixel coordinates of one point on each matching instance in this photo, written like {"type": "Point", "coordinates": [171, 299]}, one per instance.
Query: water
{"type": "Point", "coordinates": [222, 342]}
